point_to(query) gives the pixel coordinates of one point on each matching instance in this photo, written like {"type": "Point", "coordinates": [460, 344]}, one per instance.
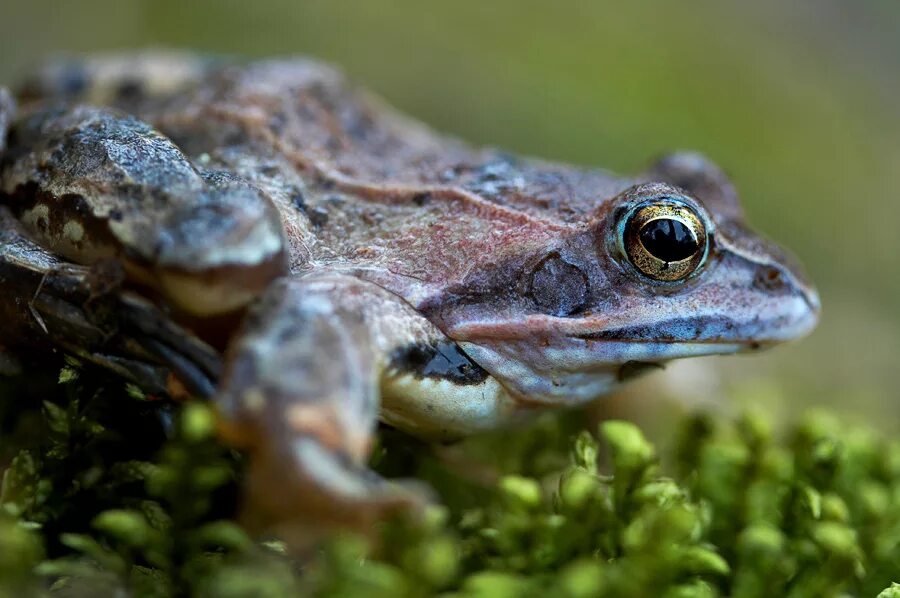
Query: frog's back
{"type": "Point", "coordinates": [365, 189]}
{"type": "Point", "coordinates": [309, 112]}
{"type": "Point", "coordinates": [360, 188]}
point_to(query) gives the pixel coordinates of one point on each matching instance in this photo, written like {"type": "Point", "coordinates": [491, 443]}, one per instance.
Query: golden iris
{"type": "Point", "coordinates": [665, 241]}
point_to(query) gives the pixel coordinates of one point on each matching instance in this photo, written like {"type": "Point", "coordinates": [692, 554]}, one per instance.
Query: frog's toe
{"type": "Point", "coordinates": [317, 486]}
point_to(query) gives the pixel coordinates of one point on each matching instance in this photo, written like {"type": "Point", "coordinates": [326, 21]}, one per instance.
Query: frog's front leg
{"type": "Point", "coordinates": [301, 392]}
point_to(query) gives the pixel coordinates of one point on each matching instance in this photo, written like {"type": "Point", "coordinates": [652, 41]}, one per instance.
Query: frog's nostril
{"type": "Point", "coordinates": [769, 278]}
{"type": "Point", "coordinates": [778, 281]}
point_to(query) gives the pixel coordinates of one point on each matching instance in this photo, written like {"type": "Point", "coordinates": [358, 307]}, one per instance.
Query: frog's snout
{"type": "Point", "coordinates": [787, 279]}
{"type": "Point", "coordinates": [781, 303]}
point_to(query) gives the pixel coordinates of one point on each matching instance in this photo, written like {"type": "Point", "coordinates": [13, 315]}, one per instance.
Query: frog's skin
{"type": "Point", "coordinates": [387, 272]}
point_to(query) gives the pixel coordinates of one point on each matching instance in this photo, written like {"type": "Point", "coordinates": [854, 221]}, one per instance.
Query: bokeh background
{"type": "Point", "coordinates": [796, 99]}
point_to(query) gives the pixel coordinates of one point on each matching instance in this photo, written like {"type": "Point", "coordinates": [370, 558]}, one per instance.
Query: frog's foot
{"type": "Point", "coordinates": [301, 393]}
{"type": "Point", "coordinates": [46, 302]}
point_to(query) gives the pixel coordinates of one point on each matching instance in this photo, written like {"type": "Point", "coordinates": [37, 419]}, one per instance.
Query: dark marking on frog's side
{"type": "Point", "coordinates": [420, 199]}
{"type": "Point", "coordinates": [65, 208]}
{"type": "Point", "coordinates": [632, 369]}
{"type": "Point", "coordinates": [299, 201]}
{"type": "Point", "coordinates": [324, 183]}
{"type": "Point", "coordinates": [318, 216]}
{"type": "Point", "coordinates": [443, 360]}
{"type": "Point", "coordinates": [269, 170]}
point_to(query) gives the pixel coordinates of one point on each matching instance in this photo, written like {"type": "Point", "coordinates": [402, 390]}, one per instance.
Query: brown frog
{"type": "Point", "coordinates": [352, 264]}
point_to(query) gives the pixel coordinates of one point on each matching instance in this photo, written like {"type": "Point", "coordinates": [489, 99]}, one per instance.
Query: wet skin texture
{"type": "Point", "coordinates": [353, 265]}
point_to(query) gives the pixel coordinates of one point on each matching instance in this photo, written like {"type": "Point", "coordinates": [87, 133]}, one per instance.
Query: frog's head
{"type": "Point", "coordinates": [661, 271]}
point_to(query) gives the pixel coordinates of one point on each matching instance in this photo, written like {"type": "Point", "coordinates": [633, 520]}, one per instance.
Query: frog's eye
{"type": "Point", "coordinates": [665, 240]}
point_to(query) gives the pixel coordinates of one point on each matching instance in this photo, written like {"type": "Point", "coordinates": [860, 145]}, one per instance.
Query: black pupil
{"type": "Point", "coordinates": [668, 240]}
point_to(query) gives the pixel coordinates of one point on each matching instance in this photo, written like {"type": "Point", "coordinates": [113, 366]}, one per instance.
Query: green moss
{"type": "Point", "coordinates": [107, 490]}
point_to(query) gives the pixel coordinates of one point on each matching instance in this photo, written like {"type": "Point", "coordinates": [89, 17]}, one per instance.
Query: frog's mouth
{"type": "Point", "coordinates": [549, 360]}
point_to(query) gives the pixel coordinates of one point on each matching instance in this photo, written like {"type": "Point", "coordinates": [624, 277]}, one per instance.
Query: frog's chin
{"type": "Point", "coordinates": [575, 371]}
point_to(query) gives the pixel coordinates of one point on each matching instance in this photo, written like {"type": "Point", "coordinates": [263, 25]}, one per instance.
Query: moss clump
{"type": "Point", "coordinates": [106, 490]}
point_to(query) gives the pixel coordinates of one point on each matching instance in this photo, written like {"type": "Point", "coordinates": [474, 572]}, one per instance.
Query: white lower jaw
{"type": "Point", "coordinates": [443, 410]}
{"type": "Point", "coordinates": [579, 371]}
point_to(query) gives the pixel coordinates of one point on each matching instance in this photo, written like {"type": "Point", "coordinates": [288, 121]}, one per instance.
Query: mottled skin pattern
{"type": "Point", "coordinates": [388, 271]}
{"type": "Point", "coordinates": [149, 207]}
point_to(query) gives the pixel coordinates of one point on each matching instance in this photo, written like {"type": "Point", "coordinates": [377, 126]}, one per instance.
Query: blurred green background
{"type": "Point", "coordinates": [797, 100]}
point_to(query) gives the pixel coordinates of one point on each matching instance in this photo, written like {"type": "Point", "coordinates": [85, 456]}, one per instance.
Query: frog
{"type": "Point", "coordinates": [270, 236]}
